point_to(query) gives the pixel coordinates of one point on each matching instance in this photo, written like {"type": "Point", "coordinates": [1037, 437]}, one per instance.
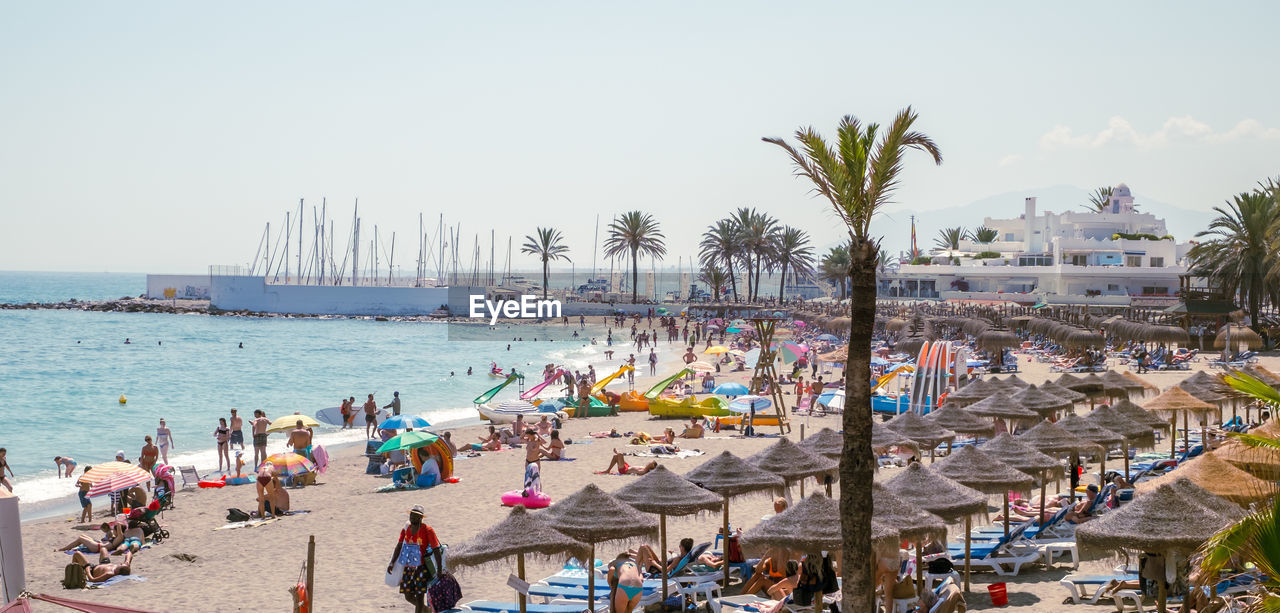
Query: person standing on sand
{"type": "Point", "coordinates": [300, 440]}
{"type": "Point", "coordinates": [653, 363]}
{"type": "Point", "coordinates": [395, 402]}
{"type": "Point", "coordinates": [370, 416]}
{"type": "Point", "coordinates": [164, 440]}
{"type": "Point", "coordinates": [345, 409]}
{"type": "Point", "coordinates": [149, 454]}
{"type": "Point", "coordinates": [223, 434]}
{"type": "Point", "coordinates": [237, 430]}
{"type": "Point", "coordinates": [584, 398]}
{"type": "Point", "coordinates": [259, 425]}
{"type": "Point", "coordinates": [417, 540]}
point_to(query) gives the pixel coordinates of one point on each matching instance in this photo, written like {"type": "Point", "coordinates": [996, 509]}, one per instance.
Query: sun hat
{"type": "Point", "coordinates": [120, 454]}
{"type": "Point", "coordinates": [417, 508]}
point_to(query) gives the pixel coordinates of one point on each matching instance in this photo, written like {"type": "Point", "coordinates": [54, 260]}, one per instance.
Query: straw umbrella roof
{"type": "Point", "coordinates": [1209, 382]}
{"type": "Point", "coordinates": [808, 526]}
{"type": "Point", "coordinates": [1218, 476]}
{"type": "Point", "coordinates": [1261, 373]}
{"type": "Point", "coordinates": [1012, 382]}
{"type": "Point", "coordinates": [591, 515]}
{"type": "Point", "coordinates": [919, 429]}
{"type": "Point", "coordinates": [1040, 401]}
{"type": "Point", "coordinates": [935, 493]}
{"type": "Point", "coordinates": [1048, 437]}
{"type": "Point", "coordinates": [1146, 385]}
{"type": "Point", "coordinates": [914, 523]}
{"type": "Point", "coordinates": [1163, 521]}
{"type": "Point", "coordinates": [1092, 384]}
{"type": "Point", "coordinates": [996, 339]}
{"type": "Point", "coordinates": [729, 476]}
{"type": "Point", "coordinates": [981, 471]}
{"type": "Point", "coordinates": [959, 420]}
{"type": "Point", "coordinates": [1001, 404]}
{"type": "Point", "coordinates": [1259, 462]}
{"type": "Point", "coordinates": [1090, 431]}
{"type": "Point", "coordinates": [791, 462]}
{"type": "Point", "coordinates": [972, 393]}
{"type": "Point", "coordinates": [1239, 334]}
{"type": "Point", "coordinates": [828, 442]}
{"type": "Point", "coordinates": [665, 492]}
{"type": "Point", "coordinates": [521, 533]}
{"type": "Point", "coordinates": [1079, 384]}
{"type": "Point", "coordinates": [1021, 456]}
{"type": "Point", "coordinates": [1062, 392]}
{"type": "Point", "coordinates": [1115, 421]}
{"type": "Point", "coordinates": [883, 437]}
{"type": "Point", "coordinates": [1128, 409]}
{"type": "Point", "coordinates": [1202, 393]}
{"type": "Point", "coordinates": [840, 355]}
{"type": "Point", "coordinates": [1117, 384]}
{"type": "Point", "coordinates": [1175, 400]}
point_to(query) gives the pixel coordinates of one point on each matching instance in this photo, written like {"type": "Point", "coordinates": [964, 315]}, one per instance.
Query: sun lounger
{"type": "Point", "coordinates": [1011, 551]}
{"type": "Point", "coordinates": [492, 606]}
{"type": "Point", "coordinates": [190, 478]}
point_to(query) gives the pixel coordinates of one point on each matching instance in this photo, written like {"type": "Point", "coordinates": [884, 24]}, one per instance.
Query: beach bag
{"type": "Point", "coordinates": [735, 551]}
{"type": "Point", "coordinates": [236, 515]}
{"type": "Point", "coordinates": [445, 592]}
{"type": "Point", "coordinates": [393, 578]}
{"type": "Point", "coordinates": [74, 577]}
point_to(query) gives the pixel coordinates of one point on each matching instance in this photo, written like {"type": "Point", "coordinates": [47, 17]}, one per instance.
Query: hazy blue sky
{"type": "Point", "coordinates": [161, 137]}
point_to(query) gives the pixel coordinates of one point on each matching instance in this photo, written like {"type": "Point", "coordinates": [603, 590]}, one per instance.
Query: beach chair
{"type": "Point", "coordinates": [190, 478]}
{"type": "Point", "coordinates": [1005, 556]}
{"type": "Point", "coordinates": [1087, 589]}
{"type": "Point", "coordinates": [493, 606]}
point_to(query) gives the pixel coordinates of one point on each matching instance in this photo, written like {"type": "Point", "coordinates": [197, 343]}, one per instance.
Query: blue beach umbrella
{"type": "Point", "coordinates": [830, 338]}
{"type": "Point", "coordinates": [744, 404]}
{"type": "Point", "coordinates": [731, 389]}
{"type": "Point", "coordinates": [402, 422]}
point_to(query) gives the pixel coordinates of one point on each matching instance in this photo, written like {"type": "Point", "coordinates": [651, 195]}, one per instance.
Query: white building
{"type": "Point", "coordinates": [1117, 257]}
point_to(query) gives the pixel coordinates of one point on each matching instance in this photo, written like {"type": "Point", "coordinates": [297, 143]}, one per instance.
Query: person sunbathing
{"type": "Point", "coordinates": [668, 436]}
{"type": "Point", "coordinates": [104, 569]}
{"type": "Point", "coordinates": [1081, 512]}
{"type": "Point", "coordinates": [619, 461]}
{"type": "Point", "coordinates": [783, 588]}
{"type": "Point", "coordinates": [555, 447]}
{"type": "Point", "coordinates": [133, 539]}
{"type": "Point", "coordinates": [693, 430]}
{"type": "Point", "coordinates": [112, 537]}
{"type": "Point", "coordinates": [492, 442]}
{"type": "Point", "coordinates": [769, 571]}
{"type": "Point", "coordinates": [1025, 509]}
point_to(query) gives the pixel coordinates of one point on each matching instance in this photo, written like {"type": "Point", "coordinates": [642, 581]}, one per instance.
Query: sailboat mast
{"type": "Point", "coordinates": [595, 241]}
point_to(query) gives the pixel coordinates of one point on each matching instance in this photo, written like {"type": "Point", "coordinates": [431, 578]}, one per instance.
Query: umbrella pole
{"type": "Point", "coordinates": [919, 569]}
{"type": "Point", "coordinates": [1173, 437]}
{"type": "Point", "coordinates": [520, 572]}
{"type": "Point", "coordinates": [662, 529]}
{"type": "Point", "coordinates": [726, 542]}
{"type": "Point", "coordinates": [1006, 513]}
{"type": "Point", "coordinates": [967, 528]}
{"type": "Point", "coordinates": [591, 578]}
{"type": "Point", "coordinates": [1126, 459]}
{"type": "Point", "coordinates": [1162, 595]}
{"type": "Point", "coordinates": [1186, 431]}
{"type": "Point", "coordinates": [1043, 476]}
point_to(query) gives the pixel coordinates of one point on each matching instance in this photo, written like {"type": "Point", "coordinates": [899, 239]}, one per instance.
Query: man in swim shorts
{"type": "Point", "coordinates": [370, 416]}
{"type": "Point", "coordinates": [259, 424]}
{"type": "Point", "coordinates": [237, 430]}
{"type": "Point", "coordinates": [300, 440]}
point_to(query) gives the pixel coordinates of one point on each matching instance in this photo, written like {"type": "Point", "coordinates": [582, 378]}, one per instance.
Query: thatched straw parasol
{"type": "Point", "coordinates": [1040, 401]}
{"type": "Point", "coordinates": [811, 526]}
{"type": "Point", "coordinates": [920, 430]}
{"type": "Point", "coordinates": [959, 420]}
{"type": "Point", "coordinates": [1024, 458]}
{"type": "Point", "coordinates": [883, 437]}
{"type": "Point", "coordinates": [791, 462]}
{"type": "Point", "coordinates": [914, 523]}
{"type": "Point", "coordinates": [664, 493]}
{"type": "Point", "coordinates": [1117, 385]}
{"type": "Point", "coordinates": [1078, 384]}
{"type": "Point", "coordinates": [1048, 437]}
{"type": "Point", "coordinates": [1090, 431]}
{"type": "Point", "coordinates": [520, 534]}
{"type": "Point", "coordinates": [1261, 373]}
{"type": "Point", "coordinates": [996, 339]}
{"type": "Point", "coordinates": [1236, 334]}
{"type": "Point", "coordinates": [1012, 382]}
{"type": "Point", "coordinates": [826, 442]}
{"type": "Point", "coordinates": [731, 476]}
{"type": "Point", "coordinates": [895, 324]}
{"type": "Point", "coordinates": [971, 393]}
{"type": "Point", "coordinates": [1133, 433]}
{"type": "Point", "coordinates": [1177, 400]}
{"type": "Point", "coordinates": [1219, 477]}
{"type": "Point", "coordinates": [1147, 386]}
{"type": "Point", "coordinates": [1000, 404]}
{"type": "Point", "coordinates": [1128, 409]}
{"type": "Point", "coordinates": [941, 496]}
{"type": "Point", "coordinates": [974, 468]}
{"type": "Point", "coordinates": [1164, 521]}
{"type": "Point", "coordinates": [1203, 392]}
{"type": "Point", "coordinates": [1257, 461]}
{"type": "Point", "coordinates": [1062, 392]}
{"type": "Point", "coordinates": [593, 516]}
{"type": "Point", "coordinates": [910, 345]}
{"type": "Point", "coordinates": [838, 356]}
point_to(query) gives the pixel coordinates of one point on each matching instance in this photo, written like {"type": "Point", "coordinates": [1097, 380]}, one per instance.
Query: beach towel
{"type": "Point", "coordinates": [112, 581]}
{"type": "Point", "coordinates": [321, 458]}
{"type": "Point", "coordinates": [663, 452]}
{"type": "Point", "coordinates": [252, 523]}
{"type": "Point", "coordinates": [532, 479]}
{"type": "Point", "coordinates": [804, 402]}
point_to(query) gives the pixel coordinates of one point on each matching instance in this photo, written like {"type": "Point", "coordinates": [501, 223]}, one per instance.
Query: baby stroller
{"type": "Point", "coordinates": [146, 519]}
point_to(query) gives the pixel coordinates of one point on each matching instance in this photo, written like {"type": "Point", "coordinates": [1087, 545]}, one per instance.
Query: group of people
{"type": "Point", "coordinates": [370, 409]}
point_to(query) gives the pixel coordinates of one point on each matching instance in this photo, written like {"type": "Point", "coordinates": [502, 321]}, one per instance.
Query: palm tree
{"type": "Point", "coordinates": [756, 233]}
{"type": "Point", "coordinates": [1099, 200]}
{"type": "Point", "coordinates": [949, 239]}
{"type": "Point", "coordinates": [882, 261]}
{"type": "Point", "coordinates": [1239, 250]}
{"type": "Point", "coordinates": [984, 235]}
{"type": "Point", "coordinates": [835, 268]}
{"type": "Point", "coordinates": [715, 279]}
{"type": "Point", "coordinates": [720, 245]}
{"type": "Point", "coordinates": [635, 232]}
{"type": "Point", "coordinates": [792, 250]}
{"type": "Point", "coordinates": [547, 244]}
{"type": "Point", "coordinates": [858, 176]}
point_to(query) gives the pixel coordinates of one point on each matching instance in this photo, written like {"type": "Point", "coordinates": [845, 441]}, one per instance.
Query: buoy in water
{"type": "Point", "coordinates": [123, 399]}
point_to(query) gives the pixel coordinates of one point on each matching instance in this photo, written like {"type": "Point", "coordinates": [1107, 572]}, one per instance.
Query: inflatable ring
{"type": "Point", "coordinates": [517, 498]}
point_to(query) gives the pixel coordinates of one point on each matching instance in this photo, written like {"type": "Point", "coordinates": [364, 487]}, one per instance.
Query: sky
{"type": "Point", "coordinates": [162, 137]}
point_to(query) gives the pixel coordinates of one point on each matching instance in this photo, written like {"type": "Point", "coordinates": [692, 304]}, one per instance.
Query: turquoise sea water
{"type": "Point", "coordinates": [61, 373]}
{"type": "Point", "coordinates": [23, 287]}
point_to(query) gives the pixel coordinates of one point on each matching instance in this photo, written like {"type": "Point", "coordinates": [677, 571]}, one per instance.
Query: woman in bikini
{"type": "Point", "coordinates": [64, 465]}
{"type": "Point", "coordinates": [266, 486]}
{"type": "Point", "coordinates": [555, 447]}
{"type": "Point", "coordinates": [492, 442]}
{"type": "Point", "coordinates": [164, 440]}
{"type": "Point", "coordinates": [619, 461]}
{"type": "Point", "coordinates": [150, 454]}
{"type": "Point", "coordinates": [626, 584]}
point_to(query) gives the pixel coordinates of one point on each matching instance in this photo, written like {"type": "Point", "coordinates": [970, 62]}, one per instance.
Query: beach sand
{"type": "Point", "coordinates": [203, 569]}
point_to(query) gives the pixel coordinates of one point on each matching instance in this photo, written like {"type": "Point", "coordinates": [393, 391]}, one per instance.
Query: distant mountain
{"type": "Point", "coordinates": [896, 225]}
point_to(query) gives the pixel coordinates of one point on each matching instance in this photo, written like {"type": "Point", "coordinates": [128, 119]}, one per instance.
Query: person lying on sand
{"type": "Point", "coordinates": [492, 441]}
{"type": "Point", "coordinates": [620, 462]}
{"type": "Point", "coordinates": [133, 539]}
{"type": "Point", "coordinates": [112, 537]}
{"type": "Point", "coordinates": [104, 569]}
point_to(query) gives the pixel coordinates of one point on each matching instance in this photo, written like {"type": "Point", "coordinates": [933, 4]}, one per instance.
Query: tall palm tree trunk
{"type": "Point", "coordinates": [782, 285]}
{"type": "Point", "coordinates": [733, 279]}
{"type": "Point", "coordinates": [757, 294]}
{"type": "Point", "coordinates": [635, 275]}
{"type": "Point", "coordinates": [747, 266]}
{"type": "Point", "coordinates": [856, 463]}
{"type": "Point", "coordinates": [546, 277]}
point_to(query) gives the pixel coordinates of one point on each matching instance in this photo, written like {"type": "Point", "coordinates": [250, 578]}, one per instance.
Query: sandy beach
{"type": "Point", "coordinates": [203, 569]}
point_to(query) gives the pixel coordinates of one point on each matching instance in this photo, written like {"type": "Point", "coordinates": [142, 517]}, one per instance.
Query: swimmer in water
{"type": "Point", "coordinates": [242, 345]}
{"type": "Point", "coordinates": [127, 342]}
{"type": "Point", "coordinates": [468, 371]}
{"type": "Point", "coordinates": [451, 373]}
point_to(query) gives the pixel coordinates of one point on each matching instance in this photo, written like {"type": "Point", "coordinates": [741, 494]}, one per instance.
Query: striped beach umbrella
{"type": "Point", "coordinates": [290, 464]}
{"type": "Point", "coordinates": [114, 476]}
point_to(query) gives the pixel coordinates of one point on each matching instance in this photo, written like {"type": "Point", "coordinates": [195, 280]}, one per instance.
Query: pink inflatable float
{"type": "Point", "coordinates": [537, 500]}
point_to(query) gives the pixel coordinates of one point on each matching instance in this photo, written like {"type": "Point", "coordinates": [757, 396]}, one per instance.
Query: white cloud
{"type": "Point", "coordinates": [1175, 129]}
{"type": "Point", "coordinates": [1009, 160]}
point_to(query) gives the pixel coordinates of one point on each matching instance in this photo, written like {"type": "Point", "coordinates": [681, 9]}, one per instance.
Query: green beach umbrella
{"type": "Point", "coordinates": [408, 440]}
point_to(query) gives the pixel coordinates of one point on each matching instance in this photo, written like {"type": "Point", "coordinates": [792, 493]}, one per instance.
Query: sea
{"type": "Point", "coordinates": [63, 372]}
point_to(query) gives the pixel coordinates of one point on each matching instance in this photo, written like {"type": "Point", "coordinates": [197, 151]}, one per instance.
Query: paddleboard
{"type": "Point", "coordinates": [333, 416]}
{"type": "Point", "coordinates": [917, 378]}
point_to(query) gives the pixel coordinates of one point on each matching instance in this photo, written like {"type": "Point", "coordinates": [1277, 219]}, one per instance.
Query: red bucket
{"type": "Point", "coordinates": [999, 594]}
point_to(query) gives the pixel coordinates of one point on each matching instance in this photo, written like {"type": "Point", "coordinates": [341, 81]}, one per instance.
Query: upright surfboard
{"type": "Point", "coordinates": [918, 377]}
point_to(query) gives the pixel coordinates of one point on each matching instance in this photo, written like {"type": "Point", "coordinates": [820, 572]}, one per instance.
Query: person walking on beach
{"type": "Point", "coordinates": [394, 405]}
{"type": "Point", "coordinates": [370, 416]}
{"type": "Point", "coordinates": [223, 434]}
{"type": "Point", "coordinates": [149, 454]}
{"type": "Point", "coordinates": [164, 440]}
{"type": "Point", "coordinates": [653, 363]}
{"type": "Point", "coordinates": [417, 541]}
{"type": "Point", "coordinates": [237, 430]}
{"type": "Point", "coordinates": [259, 425]}
{"type": "Point", "coordinates": [631, 374]}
